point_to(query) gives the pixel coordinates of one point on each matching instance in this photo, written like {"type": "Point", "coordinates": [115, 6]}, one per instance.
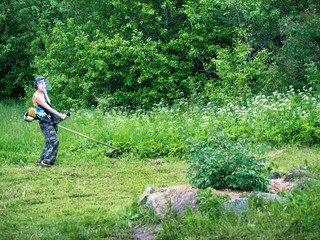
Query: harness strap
{"type": "Point", "coordinates": [50, 118]}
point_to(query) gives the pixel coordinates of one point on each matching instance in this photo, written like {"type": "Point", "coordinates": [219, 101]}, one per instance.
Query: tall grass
{"type": "Point", "coordinates": [280, 119]}
{"type": "Point", "coordinates": [291, 117]}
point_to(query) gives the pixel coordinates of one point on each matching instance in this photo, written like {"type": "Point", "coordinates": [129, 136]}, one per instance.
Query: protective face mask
{"type": "Point", "coordinates": [43, 87]}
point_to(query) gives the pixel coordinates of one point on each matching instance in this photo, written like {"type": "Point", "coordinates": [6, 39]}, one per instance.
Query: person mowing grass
{"type": "Point", "coordinates": [47, 119]}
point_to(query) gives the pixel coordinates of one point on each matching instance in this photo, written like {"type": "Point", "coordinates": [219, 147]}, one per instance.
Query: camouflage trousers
{"type": "Point", "coordinates": [50, 149]}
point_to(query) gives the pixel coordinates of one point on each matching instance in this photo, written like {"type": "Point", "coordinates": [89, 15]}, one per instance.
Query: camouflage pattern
{"type": "Point", "coordinates": [50, 149]}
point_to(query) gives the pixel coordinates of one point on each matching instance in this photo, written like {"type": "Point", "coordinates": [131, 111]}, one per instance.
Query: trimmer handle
{"type": "Point", "coordinates": [68, 114]}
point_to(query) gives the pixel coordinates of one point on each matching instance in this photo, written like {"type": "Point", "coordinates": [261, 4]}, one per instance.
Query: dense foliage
{"type": "Point", "coordinates": [137, 53]}
{"type": "Point", "coordinates": [21, 24]}
{"type": "Point", "coordinates": [221, 162]}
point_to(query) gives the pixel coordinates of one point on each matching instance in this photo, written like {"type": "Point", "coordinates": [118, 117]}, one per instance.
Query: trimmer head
{"type": "Point", "coordinates": [113, 153]}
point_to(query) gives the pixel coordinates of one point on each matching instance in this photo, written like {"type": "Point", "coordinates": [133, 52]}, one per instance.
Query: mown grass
{"type": "Point", "coordinates": [89, 201]}
{"type": "Point", "coordinates": [293, 157]}
{"type": "Point", "coordinates": [77, 202]}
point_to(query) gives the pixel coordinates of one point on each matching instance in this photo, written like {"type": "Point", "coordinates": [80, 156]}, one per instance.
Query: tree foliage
{"type": "Point", "coordinates": [137, 53]}
{"type": "Point", "coordinates": [299, 57]}
{"type": "Point", "coordinates": [20, 24]}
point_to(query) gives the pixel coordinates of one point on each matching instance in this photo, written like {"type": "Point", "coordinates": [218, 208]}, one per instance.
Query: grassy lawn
{"type": "Point", "coordinates": [294, 157]}
{"type": "Point", "coordinates": [77, 202]}
{"type": "Point", "coordinates": [89, 200]}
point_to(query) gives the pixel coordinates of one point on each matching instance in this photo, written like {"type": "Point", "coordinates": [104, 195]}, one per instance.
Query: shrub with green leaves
{"type": "Point", "coordinates": [222, 162]}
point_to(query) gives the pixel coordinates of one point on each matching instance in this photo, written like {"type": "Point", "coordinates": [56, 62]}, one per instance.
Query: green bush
{"type": "Point", "coordinates": [221, 162]}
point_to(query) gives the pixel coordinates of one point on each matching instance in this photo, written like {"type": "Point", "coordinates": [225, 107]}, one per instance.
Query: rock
{"type": "Point", "coordinates": [275, 175]}
{"type": "Point", "coordinates": [307, 180]}
{"type": "Point", "coordinates": [157, 162]}
{"type": "Point", "coordinates": [176, 201]}
{"type": "Point", "coordinates": [149, 190]}
{"type": "Point", "coordinates": [237, 206]}
{"type": "Point", "coordinates": [180, 200]}
{"type": "Point", "coordinates": [176, 198]}
{"type": "Point", "coordinates": [304, 182]}
{"type": "Point", "coordinates": [159, 202]}
{"type": "Point", "coordinates": [271, 197]}
{"type": "Point", "coordinates": [294, 174]}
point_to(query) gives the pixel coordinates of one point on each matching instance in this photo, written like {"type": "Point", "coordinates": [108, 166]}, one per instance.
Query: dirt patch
{"type": "Point", "coordinates": [180, 188]}
{"type": "Point", "coordinates": [276, 185]}
{"type": "Point", "coordinates": [146, 233]}
{"type": "Point", "coordinates": [276, 152]}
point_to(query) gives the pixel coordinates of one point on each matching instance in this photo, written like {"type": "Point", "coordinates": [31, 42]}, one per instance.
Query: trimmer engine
{"type": "Point", "coordinates": [30, 115]}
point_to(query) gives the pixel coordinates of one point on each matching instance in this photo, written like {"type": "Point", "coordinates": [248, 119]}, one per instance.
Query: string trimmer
{"type": "Point", "coordinates": [115, 151]}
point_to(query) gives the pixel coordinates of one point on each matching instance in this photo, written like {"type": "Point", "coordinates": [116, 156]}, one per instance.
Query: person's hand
{"type": "Point", "coordinates": [63, 116]}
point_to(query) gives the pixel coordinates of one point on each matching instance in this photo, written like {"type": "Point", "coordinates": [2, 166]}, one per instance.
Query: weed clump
{"type": "Point", "coordinates": [209, 203]}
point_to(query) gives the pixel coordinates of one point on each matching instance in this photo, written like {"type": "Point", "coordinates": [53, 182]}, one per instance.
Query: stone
{"type": "Point", "coordinates": [149, 190]}
{"type": "Point", "coordinates": [157, 162]}
{"type": "Point", "coordinates": [271, 197]}
{"type": "Point", "coordinates": [275, 175]}
{"type": "Point", "coordinates": [145, 232]}
{"type": "Point", "coordinates": [162, 202]}
{"type": "Point", "coordinates": [237, 206]}
{"type": "Point", "coordinates": [304, 182]}
{"type": "Point", "coordinates": [180, 200]}
{"type": "Point", "coordinates": [307, 180]}
{"type": "Point", "coordinates": [159, 202]}
{"type": "Point", "coordinates": [294, 174]}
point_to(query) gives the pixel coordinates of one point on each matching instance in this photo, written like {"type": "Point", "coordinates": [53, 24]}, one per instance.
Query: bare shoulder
{"type": "Point", "coordinates": [38, 96]}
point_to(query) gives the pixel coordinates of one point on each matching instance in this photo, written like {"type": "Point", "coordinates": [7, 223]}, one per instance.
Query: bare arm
{"type": "Point", "coordinates": [40, 100]}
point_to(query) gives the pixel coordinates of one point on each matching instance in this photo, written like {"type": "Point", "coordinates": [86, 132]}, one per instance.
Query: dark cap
{"type": "Point", "coordinates": [38, 80]}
